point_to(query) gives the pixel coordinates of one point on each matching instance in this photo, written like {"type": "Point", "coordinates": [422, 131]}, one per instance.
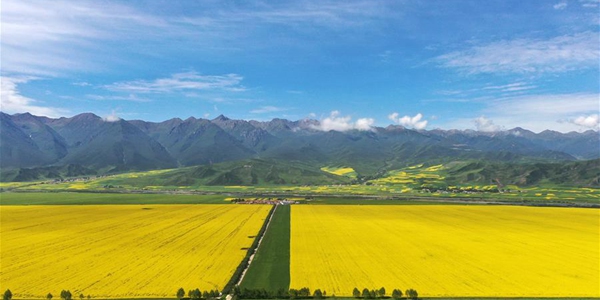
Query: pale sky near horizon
{"type": "Point", "coordinates": [486, 65]}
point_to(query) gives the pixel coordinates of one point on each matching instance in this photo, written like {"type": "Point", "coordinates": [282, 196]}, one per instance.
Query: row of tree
{"type": "Point", "coordinates": [197, 294]}
{"type": "Point", "coordinates": [381, 293]}
{"type": "Point", "coordinates": [64, 295]}
{"type": "Point", "coordinates": [303, 293]}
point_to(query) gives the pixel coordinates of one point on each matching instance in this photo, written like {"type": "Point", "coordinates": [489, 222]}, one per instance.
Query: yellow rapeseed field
{"type": "Point", "coordinates": [446, 250]}
{"type": "Point", "coordinates": [123, 251]}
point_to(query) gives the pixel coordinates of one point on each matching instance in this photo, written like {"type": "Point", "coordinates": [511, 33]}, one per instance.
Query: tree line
{"type": "Point", "coordinates": [304, 293]}
{"type": "Point", "coordinates": [381, 293]}
{"type": "Point", "coordinates": [197, 294]}
{"type": "Point", "coordinates": [64, 295]}
{"type": "Point", "coordinates": [239, 293]}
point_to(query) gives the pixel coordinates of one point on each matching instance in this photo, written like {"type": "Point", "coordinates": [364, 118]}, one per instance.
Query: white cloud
{"type": "Point", "coordinates": [113, 117]}
{"type": "Point", "coordinates": [181, 82]}
{"type": "Point", "coordinates": [364, 124]}
{"type": "Point", "coordinates": [560, 5]}
{"type": "Point", "coordinates": [591, 121]}
{"type": "Point", "coordinates": [408, 121]}
{"type": "Point", "coordinates": [558, 54]}
{"type": "Point", "coordinates": [13, 102]}
{"type": "Point", "coordinates": [486, 125]}
{"type": "Point", "coordinates": [337, 122]}
{"type": "Point", "coordinates": [268, 109]}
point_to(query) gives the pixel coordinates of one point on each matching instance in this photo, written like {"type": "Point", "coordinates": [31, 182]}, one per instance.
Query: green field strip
{"type": "Point", "coordinates": [105, 198]}
{"type": "Point", "coordinates": [270, 268]}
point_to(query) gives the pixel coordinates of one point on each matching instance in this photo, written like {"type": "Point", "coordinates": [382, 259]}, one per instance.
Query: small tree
{"type": "Point", "coordinates": [7, 295]}
{"type": "Point", "coordinates": [317, 294]}
{"type": "Point", "coordinates": [205, 295]}
{"type": "Point", "coordinates": [65, 295]}
{"type": "Point", "coordinates": [365, 293]}
{"type": "Point", "coordinates": [355, 293]}
{"type": "Point", "coordinates": [81, 296]}
{"type": "Point", "coordinates": [89, 297]}
{"type": "Point", "coordinates": [49, 296]}
{"type": "Point", "coordinates": [397, 294]}
{"type": "Point", "coordinates": [412, 294]}
{"type": "Point", "coordinates": [382, 292]}
{"type": "Point", "coordinates": [196, 294]}
{"type": "Point", "coordinates": [180, 293]}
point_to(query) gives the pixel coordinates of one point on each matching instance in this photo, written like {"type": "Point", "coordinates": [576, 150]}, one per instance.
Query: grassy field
{"type": "Point", "coordinates": [105, 198]}
{"type": "Point", "coordinates": [447, 251]}
{"type": "Point", "coordinates": [123, 251]}
{"type": "Point", "coordinates": [270, 268]}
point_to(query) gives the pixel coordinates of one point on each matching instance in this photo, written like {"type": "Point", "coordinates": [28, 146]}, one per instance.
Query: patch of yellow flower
{"type": "Point", "coordinates": [343, 171]}
{"type": "Point", "coordinates": [447, 250]}
{"type": "Point", "coordinates": [123, 251]}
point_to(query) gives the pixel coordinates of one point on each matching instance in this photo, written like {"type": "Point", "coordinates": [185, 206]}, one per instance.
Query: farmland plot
{"type": "Point", "coordinates": [123, 251]}
{"type": "Point", "coordinates": [462, 251]}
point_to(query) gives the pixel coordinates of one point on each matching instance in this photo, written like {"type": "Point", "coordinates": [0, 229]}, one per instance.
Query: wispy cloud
{"type": "Point", "coordinates": [415, 122]}
{"type": "Point", "coordinates": [560, 5]}
{"type": "Point", "coordinates": [269, 109]}
{"type": "Point", "coordinates": [539, 112]}
{"type": "Point", "coordinates": [130, 97]}
{"type": "Point", "coordinates": [40, 39]}
{"type": "Point", "coordinates": [558, 54]}
{"type": "Point", "coordinates": [336, 122]}
{"type": "Point", "coordinates": [14, 102]}
{"type": "Point", "coordinates": [590, 3]}
{"type": "Point", "coordinates": [385, 56]}
{"type": "Point", "coordinates": [180, 82]}
{"type": "Point", "coordinates": [512, 87]}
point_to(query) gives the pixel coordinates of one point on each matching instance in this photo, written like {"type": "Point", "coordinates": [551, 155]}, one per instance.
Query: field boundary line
{"type": "Point", "coordinates": [255, 250]}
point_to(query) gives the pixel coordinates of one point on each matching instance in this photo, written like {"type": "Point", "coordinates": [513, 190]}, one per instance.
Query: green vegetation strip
{"type": "Point", "coordinates": [270, 268]}
{"type": "Point", "coordinates": [237, 274]}
{"type": "Point", "coordinates": [105, 198]}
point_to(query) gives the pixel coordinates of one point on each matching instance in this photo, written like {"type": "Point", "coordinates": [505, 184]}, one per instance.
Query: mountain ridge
{"type": "Point", "coordinates": [29, 141]}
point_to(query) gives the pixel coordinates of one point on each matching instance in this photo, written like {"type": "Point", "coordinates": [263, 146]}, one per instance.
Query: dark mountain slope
{"type": "Point", "coordinates": [17, 149]}
{"type": "Point", "coordinates": [52, 144]}
{"type": "Point", "coordinates": [118, 146]}
{"type": "Point", "coordinates": [198, 141]}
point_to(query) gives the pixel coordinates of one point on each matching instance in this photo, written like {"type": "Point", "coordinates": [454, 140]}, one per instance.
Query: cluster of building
{"type": "Point", "coordinates": [271, 201]}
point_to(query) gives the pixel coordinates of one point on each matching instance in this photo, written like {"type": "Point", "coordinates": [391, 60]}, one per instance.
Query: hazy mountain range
{"type": "Point", "coordinates": [86, 143]}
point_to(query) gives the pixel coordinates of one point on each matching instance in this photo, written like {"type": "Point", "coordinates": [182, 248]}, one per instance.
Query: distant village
{"type": "Point", "coordinates": [271, 201]}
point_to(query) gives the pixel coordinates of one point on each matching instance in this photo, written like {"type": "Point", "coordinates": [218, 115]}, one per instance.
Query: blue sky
{"type": "Point", "coordinates": [486, 65]}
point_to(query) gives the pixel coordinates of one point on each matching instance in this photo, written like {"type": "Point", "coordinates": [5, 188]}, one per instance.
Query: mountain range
{"type": "Point", "coordinates": [88, 144]}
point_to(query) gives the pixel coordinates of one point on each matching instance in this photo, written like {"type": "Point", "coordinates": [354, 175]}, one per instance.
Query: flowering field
{"type": "Point", "coordinates": [455, 251]}
{"type": "Point", "coordinates": [123, 251]}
